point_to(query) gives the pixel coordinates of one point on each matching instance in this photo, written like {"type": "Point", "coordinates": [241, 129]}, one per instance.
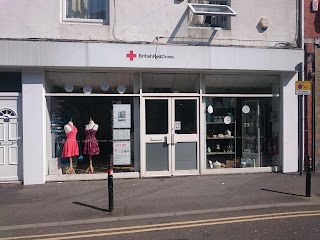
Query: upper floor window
{"type": "Point", "coordinates": [86, 10]}
{"type": "Point", "coordinates": [215, 14]}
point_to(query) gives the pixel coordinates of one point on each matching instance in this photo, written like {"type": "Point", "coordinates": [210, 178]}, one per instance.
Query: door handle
{"type": "Point", "coordinates": [173, 138]}
{"type": "Point", "coordinates": [156, 139]}
{"type": "Point", "coordinates": [168, 140]}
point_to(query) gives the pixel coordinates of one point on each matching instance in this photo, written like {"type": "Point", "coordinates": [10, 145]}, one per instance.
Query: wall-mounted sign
{"type": "Point", "coordinates": [121, 116]}
{"type": "Point", "coordinates": [303, 87]}
{"type": "Point", "coordinates": [121, 153]}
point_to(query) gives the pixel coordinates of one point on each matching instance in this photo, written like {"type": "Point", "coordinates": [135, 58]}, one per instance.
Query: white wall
{"type": "Point", "coordinates": [289, 123]}
{"type": "Point", "coordinates": [137, 20]}
{"type": "Point", "coordinates": [33, 107]}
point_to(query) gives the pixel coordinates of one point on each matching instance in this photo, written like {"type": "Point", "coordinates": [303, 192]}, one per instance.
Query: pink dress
{"type": "Point", "coordinates": [70, 147]}
{"type": "Point", "coordinates": [91, 146]}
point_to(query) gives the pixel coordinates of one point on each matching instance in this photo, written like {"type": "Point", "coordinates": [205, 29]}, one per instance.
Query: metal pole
{"type": "Point", "coordinates": [110, 186]}
{"type": "Point", "coordinates": [300, 134]}
{"type": "Point", "coordinates": [308, 175]}
{"type": "Point", "coordinates": [300, 124]}
{"type": "Point", "coordinates": [306, 122]}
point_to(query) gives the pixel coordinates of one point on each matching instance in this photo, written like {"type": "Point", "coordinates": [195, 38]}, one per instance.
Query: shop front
{"type": "Point", "coordinates": [155, 110]}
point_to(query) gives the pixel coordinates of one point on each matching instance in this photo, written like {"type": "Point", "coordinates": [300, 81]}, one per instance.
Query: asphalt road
{"type": "Point", "coordinates": [265, 223]}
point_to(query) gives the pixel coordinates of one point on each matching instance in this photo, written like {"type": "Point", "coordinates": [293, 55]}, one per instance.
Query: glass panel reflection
{"type": "Point", "coordinates": [186, 114]}
{"type": "Point", "coordinates": [156, 116]}
{"type": "Point", "coordinates": [186, 156]}
{"type": "Point", "coordinates": [157, 158]}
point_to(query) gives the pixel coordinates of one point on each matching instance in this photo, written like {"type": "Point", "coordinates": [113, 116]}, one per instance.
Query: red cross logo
{"type": "Point", "coordinates": [131, 55]}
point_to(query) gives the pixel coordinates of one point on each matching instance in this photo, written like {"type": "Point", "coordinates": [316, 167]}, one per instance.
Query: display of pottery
{"type": "Point", "coordinates": [217, 164]}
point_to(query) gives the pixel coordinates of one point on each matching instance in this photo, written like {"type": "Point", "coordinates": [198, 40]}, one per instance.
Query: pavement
{"type": "Point", "coordinates": [67, 203]}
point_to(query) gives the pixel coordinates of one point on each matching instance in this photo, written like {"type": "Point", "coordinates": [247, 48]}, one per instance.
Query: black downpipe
{"type": "Point", "coordinates": [300, 124]}
{"type": "Point", "coordinates": [314, 110]}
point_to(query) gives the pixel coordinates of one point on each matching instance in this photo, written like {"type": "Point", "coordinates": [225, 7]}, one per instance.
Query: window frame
{"type": "Point", "coordinates": [83, 20]}
{"type": "Point", "coordinates": [227, 15]}
{"type": "Point", "coordinates": [231, 13]}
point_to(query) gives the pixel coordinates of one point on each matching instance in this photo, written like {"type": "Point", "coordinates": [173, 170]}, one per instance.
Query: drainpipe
{"type": "Point", "coordinates": [300, 44]}
{"type": "Point", "coordinates": [313, 108]}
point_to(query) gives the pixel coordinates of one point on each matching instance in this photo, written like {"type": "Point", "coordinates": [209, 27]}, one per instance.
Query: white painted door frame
{"type": "Point", "coordinates": [170, 138]}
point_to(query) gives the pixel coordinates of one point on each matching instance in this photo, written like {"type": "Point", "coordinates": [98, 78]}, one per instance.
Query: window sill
{"type": "Point", "coordinates": [207, 28]}
{"type": "Point", "coordinates": [81, 20]}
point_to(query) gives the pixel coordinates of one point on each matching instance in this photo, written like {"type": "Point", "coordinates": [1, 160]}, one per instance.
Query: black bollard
{"type": "Point", "coordinates": [308, 175]}
{"type": "Point", "coordinates": [110, 187]}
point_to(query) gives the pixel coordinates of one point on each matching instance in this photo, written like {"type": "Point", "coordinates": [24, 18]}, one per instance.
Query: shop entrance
{"type": "Point", "coordinates": [171, 136]}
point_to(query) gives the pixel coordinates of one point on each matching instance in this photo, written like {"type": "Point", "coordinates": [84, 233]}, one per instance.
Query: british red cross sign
{"type": "Point", "coordinates": [131, 55]}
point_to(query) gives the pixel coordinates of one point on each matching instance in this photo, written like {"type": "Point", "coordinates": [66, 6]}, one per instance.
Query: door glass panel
{"type": "Point", "coordinates": [250, 134]}
{"type": "Point", "coordinates": [157, 157]}
{"type": "Point", "coordinates": [156, 116]}
{"type": "Point", "coordinates": [186, 156]}
{"type": "Point", "coordinates": [186, 116]}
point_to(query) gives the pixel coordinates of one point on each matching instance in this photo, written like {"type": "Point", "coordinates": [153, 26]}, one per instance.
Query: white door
{"type": "Point", "coordinates": [170, 136]}
{"type": "Point", "coordinates": [9, 140]}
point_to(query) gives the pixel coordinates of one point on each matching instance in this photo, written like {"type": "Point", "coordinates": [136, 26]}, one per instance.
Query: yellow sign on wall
{"type": "Point", "coordinates": [303, 87]}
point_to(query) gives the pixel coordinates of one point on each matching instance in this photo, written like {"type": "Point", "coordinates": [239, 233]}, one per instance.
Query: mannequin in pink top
{"type": "Point", "coordinates": [70, 147]}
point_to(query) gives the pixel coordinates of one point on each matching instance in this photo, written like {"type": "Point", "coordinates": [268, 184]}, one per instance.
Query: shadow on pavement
{"type": "Point", "coordinates": [90, 206]}
{"type": "Point", "coordinates": [292, 194]}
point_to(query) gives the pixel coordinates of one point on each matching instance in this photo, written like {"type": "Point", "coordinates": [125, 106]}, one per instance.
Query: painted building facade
{"type": "Point", "coordinates": [176, 87]}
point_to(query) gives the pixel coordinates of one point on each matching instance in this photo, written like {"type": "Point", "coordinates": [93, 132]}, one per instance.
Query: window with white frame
{"type": "Point", "coordinates": [214, 14]}
{"type": "Point", "coordinates": [86, 10]}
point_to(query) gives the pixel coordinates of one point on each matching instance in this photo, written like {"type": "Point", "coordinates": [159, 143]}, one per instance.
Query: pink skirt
{"type": "Point", "coordinates": [70, 149]}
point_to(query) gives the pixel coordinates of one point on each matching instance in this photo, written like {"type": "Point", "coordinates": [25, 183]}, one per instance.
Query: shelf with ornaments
{"type": "Point", "coordinates": [221, 132]}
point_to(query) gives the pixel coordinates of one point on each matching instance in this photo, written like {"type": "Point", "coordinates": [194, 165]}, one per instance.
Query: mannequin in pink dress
{"type": "Point", "coordinates": [91, 146]}
{"type": "Point", "coordinates": [70, 147]}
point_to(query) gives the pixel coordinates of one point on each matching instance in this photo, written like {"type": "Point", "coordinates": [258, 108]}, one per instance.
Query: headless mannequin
{"type": "Point", "coordinates": [68, 129]}
{"type": "Point", "coordinates": [91, 125]}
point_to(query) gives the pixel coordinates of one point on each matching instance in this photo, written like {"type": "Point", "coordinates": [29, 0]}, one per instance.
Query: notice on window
{"type": "Point", "coordinates": [121, 134]}
{"type": "Point", "coordinates": [177, 125]}
{"type": "Point", "coordinates": [121, 116]}
{"type": "Point", "coordinates": [121, 153]}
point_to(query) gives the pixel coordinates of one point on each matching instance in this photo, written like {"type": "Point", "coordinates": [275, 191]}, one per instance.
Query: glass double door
{"type": "Point", "coordinates": [171, 136]}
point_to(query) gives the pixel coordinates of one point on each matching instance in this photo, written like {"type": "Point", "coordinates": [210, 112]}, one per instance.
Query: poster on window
{"type": "Point", "coordinates": [121, 116]}
{"type": "Point", "coordinates": [121, 153]}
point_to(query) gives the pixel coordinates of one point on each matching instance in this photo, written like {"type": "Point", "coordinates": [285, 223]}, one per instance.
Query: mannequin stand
{"type": "Point", "coordinates": [70, 169]}
{"type": "Point", "coordinates": [90, 169]}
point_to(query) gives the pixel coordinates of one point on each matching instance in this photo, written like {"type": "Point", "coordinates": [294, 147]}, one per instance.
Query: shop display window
{"type": "Point", "coordinates": [82, 110]}
{"type": "Point", "coordinates": [241, 132]}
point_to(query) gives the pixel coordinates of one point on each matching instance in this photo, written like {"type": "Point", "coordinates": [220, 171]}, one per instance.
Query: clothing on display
{"type": "Point", "coordinates": [91, 146]}
{"type": "Point", "coordinates": [70, 147]}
